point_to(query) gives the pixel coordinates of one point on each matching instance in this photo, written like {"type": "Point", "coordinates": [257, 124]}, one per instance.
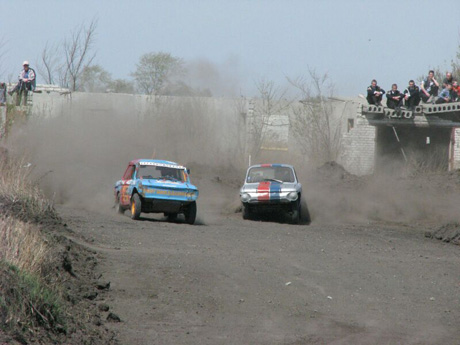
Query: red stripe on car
{"type": "Point", "coordinates": [263, 190]}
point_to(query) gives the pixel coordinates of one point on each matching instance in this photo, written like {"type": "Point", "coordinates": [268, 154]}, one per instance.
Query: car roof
{"type": "Point", "coordinates": [271, 166]}
{"type": "Point", "coordinates": [153, 161]}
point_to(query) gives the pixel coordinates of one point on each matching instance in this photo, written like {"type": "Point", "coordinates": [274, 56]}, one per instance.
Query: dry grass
{"type": "Point", "coordinates": [27, 298]}
{"type": "Point", "coordinates": [23, 245]}
{"type": "Point", "coordinates": [17, 189]}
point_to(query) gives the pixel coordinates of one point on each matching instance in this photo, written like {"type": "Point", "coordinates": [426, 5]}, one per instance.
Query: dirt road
{"type": "Point", "coordinates": [229, 281]}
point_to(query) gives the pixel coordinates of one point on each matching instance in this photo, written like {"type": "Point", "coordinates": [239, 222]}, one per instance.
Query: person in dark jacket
{"type": "Point", "coordinates": [374, 93]}
{"type": "Point", "coordinates": [394, 97]}
{"type": "Point", "coordinates": [412, 95]}
{"type": "Point", "coordinates": [449, 79]}
{"type": "Point", "coordinates": [429, 88]}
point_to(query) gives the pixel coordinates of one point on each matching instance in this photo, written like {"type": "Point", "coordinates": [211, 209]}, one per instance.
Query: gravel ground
{"type": "Point", "coordinates": [230, 281]}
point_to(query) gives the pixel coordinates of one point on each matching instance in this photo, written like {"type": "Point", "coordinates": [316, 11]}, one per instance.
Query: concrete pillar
{"type": "Point", "coordinates": [2, 121]}
{"type": "Point", "coordinates": [456, 149]}
{"type": "Point", "coordinates": [358, 148]}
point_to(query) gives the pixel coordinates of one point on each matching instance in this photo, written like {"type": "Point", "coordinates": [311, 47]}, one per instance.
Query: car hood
{"type": "Point", "coordinates": [253, 187]}
{"type": "Point", "coordinates": [167, 184]}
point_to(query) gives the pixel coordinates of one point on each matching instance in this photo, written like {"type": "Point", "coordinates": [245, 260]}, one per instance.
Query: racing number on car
{"type": "Point", "coordinates": [124, 195]}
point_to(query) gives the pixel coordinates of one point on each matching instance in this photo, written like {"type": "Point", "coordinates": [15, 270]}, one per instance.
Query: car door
{"type": "Point", "coordinates": [126, 183]}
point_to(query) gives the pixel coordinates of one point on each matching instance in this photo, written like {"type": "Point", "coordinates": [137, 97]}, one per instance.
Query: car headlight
{"type": "Point", "coordinates": [245, 197]}
{"type": "Point", "coordinates": [293, 196]}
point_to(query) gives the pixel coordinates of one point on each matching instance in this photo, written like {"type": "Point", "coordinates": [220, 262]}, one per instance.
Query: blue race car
{"type": "Point", "coordinates": [156, 186]}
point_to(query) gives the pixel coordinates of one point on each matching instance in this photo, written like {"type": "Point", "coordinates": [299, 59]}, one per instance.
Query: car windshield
{"type": "Point", "coordinates": [158, 172]}
{"type": "Point", "coordinates": [272, 173]}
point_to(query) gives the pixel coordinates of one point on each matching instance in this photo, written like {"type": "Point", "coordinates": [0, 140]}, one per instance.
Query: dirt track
{"type": "Point", "coordinates": [230, 281]}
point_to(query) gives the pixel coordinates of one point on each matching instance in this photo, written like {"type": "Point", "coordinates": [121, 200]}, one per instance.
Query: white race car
{"type": "Point", "coordinates": [272, 188]}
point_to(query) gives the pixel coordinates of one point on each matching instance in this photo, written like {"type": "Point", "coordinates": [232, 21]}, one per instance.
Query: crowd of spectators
{"type": "Point", "coordinates": [428, 92]}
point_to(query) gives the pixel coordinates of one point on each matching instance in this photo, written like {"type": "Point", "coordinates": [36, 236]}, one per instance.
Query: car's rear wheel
{"type": "Point", "coordinates": [190, 213]}
{"type": "Point", "coordinates": [136, 206]}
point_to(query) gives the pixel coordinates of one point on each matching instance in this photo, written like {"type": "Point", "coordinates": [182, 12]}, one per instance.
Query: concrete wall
{"type": "Point", "coordinates": [224, 123]}
{"type": "Point", "coordinates": [228, 121]}
{"type": "Point", "coordinates": [179, 124]}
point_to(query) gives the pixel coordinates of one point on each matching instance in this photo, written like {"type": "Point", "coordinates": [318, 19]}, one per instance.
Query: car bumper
{"type": "Point", "coordinates": [264, 198]}
{"type": "Point", "coordinates": [153, 205]}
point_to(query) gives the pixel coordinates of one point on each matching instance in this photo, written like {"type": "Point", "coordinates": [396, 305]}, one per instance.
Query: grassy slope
{"type": "Point", "coordinates": [44, 277]}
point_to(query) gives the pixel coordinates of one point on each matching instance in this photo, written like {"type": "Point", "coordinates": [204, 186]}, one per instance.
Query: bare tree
{"type": "Point", "coordinates": [314, 126]}
{"type": "Point", "coordinates": [49, 63]}
{"type": "Point", "coordinates": [78, 54]}
{"type": "Point", "coordinates": [272, 101]}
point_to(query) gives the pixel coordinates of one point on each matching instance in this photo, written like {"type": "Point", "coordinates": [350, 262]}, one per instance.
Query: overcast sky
{"type": "Point", "coordinates": [353, 41]}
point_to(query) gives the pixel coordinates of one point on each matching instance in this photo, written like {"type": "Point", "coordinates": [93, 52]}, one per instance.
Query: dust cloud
{"type": "Point", "coordinates": [78, 154]}
{"type": "Point", "coordinates": [335, 196]}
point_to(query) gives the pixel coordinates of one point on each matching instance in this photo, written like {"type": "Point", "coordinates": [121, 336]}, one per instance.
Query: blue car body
{"type": "Point", "coordinates": [160, 186]}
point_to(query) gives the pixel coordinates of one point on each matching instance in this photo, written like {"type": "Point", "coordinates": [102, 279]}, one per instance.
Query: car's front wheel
{"type": "Point", "coordinates": [190, 213]}
{"type": "Point", "coordinates": [118, 206]}
{"type": "Point", "coordinates": [295, 213]}
{"type": "Point", "coordinates": [136, 206]}
{"type": "Point", "coordinates": [246, 212]}
{"type": "Point", "coordinates": [305, 217]}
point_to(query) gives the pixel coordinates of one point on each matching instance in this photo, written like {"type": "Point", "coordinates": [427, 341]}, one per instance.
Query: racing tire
{"type": "Point", "coordinates": [136, 206]}
{"type": "Point", "coordinates": [295, 213]}
{"type": "Point", "coordinates": [190, 213]}
{"type": "Point", "coordinates": [246, 212]}
{"type": "Point", "coordinates": [118, 207]}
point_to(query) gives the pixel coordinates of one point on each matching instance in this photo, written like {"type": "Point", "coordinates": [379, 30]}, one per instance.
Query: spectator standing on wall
{"type": "Point", "coordinates": [374, 93]}
{"type": "Point", "coordinates": [412, 95]}
{"type": "Point", "coordinates": [394, 97]}
{"type": "Point", "coordinates": [429, 88]}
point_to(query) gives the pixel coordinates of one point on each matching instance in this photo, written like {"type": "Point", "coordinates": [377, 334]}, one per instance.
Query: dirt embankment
{"type": "Point", "coordinates": [49, 293]}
